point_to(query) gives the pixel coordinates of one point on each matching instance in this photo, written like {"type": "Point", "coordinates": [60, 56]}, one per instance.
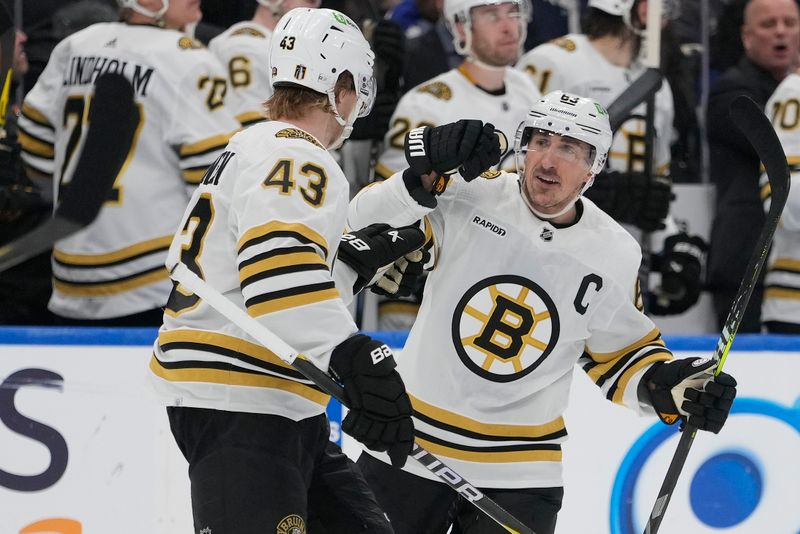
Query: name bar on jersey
{"type": "Point", "coordinates": [84, 70]}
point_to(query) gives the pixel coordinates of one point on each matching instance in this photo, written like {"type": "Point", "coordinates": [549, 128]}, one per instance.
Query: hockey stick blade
{"type": "Point", "coordinates": [189, 280]}
{"type": "Point", "coordinates": [113, 117]}
{"type": "Point", "coordinates": [639, 91]}
{"type": "Point", "coordinates": [755, 126]}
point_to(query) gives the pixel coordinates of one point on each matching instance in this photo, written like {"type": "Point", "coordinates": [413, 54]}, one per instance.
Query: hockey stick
{"type": "Point", "coordinates": [645, 86]}
{"type": "Point", "coordinates": [753, 123]}
{"type": "Point", "coordinates": [189, 280]}
{"type": "Point", "coordinates": [113, 117]}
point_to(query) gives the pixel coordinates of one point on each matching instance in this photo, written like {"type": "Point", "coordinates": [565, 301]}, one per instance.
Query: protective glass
{"type": "Point", "coordinates": [494, 13]}
{"type": "Point", "coordinates": [566, 149]}
{"type": "Point", "coordinates": [367, 88]}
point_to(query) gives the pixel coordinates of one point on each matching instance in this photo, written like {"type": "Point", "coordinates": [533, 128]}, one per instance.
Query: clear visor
{"type": "Point", "coordinates": [492, 13]}
{"type": "Point", "coordinates": [561, 147]}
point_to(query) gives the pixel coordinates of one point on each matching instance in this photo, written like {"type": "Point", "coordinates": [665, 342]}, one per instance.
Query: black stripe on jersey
{"type": "Point", "coordinates": [273, 369]}
{"type": "Point", "coordinates": [109, 281]}
{"type": "Point", "coordinates": [290, 292]}
{"type": "Point", "coordinates": [26, 146]}
{"type": "Point", "coordinates": [263, 275]}
{"type": "Point", "coordinates": [280, 233]}
{"type": "Point", "coordinates": [621, 362]}
{"type": "Point", "coordinates": [273, 253]}
{"type": "Point", "coordinates": [187, 151]}
{"type": "Point", "coordinates": [613, 388]}
{"type": "Point", "coordinates": [100, 265]}
{"type": "Point", "coordinates": [487, 437]}
{"type": "Point", "coordinates": [496, 448]}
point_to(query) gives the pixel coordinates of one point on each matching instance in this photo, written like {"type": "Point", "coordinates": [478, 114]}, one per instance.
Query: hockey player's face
{"type": "Point", "coordinates": [556, 169]}
{"type": "Point", "coordinates": [771, 34]}
{"type": "Point", "coordinates": [182, 12]}
{"type": "Point", "coordinates": [496, 32]}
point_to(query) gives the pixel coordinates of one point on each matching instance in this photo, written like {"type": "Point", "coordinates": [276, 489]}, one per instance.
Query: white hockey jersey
{"type": "Point", "coordinates": [450, 97]}
{"type": "Point", "coordinates": [115, 266]}
{"type": "Point", "coordinates": [244, 50]}
{"type": "Point", "coordinates": [263, 228]}
{"type": "Point", "coordinates": [513, 303]}
{"type": "Point", "coordinates": [572, 64]}
{"type": "Point", "coordinates": [782, 280]}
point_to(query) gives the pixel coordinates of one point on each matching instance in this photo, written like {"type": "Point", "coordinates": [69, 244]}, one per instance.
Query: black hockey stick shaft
{"type": "Point", "coordinates": [753, 123]}
{"type": "Point", "coordinates": [645, 86]}
{"type": "Point", "coordinates": [190, 281]}
{"type": "Point", "coordinates": [113, 117]}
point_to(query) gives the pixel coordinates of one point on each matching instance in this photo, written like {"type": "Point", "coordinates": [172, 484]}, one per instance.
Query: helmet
{"type": "Point", "coordinates": [312, 47]}
{"type": "Point", "coordinates": [134, 5]}
{"type": "Point", "coordinates": [571, 116]}
{"type": "Point", "coordinates": [276, 6]}
{"type": "Point", "coordinates": [459, 11]}
{"type": "Point", "coordinates": [619, 8]}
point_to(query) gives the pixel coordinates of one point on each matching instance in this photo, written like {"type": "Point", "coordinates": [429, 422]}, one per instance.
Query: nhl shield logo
{"type": "Point", "coordinates": [292, 524]}
{"type": "Point", "coordinates": [547, 234]}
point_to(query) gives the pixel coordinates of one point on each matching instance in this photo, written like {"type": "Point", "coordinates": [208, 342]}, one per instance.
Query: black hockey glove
{"type": "Point", "coordinates": [403, 277]}
{"type": "Point", "coordinates": [687, 389]}
{"type": "Point", "coordinates": [468, 146]}
{"type": "Point", "coordinates": [681, 267]}
{"type": "Point", "coordinates": [380, 410]}
{"type": "Point", "coordinates": [372, 251]}
{"type": "Point", "coordinates": [633, 198]}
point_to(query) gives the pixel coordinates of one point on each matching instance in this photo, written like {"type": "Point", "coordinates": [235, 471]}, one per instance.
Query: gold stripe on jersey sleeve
{"type": "Point", "coordinates": [98, 289]}
{"type": "Point", "coordinates": [284, 260]}
{"type": "Point", "coordinates": [35, 146]}
{"type": "Point", "coordinates": [398, 306]}
{"type": "Point", "coordinates": [101, 260]}
{"type": "Point", "coordinates": [194, 175]}
{"type": "Point", "coordinates": [259, 233]}
{"type": "Point", "coordinates": [491, 429]}
{"type": "Point", "coordinates": [782, 293]}
{"type": "Point", "coordinates": [622, 382]}
{"type": "Point", "coordinates": [264, 304]}
{"type": "Point", "coordinates": [231, 377]}
{"type": "Point", "coordinates": [490, 456]}
{"type": "Point", "coordinates": [205, 145]}
{"type": "Point", "coordinates": [235, 344]}
{"type": "Point", "coordinates": [786, 264]}
{"type": "Point", "coordinates": [652, 338]}
{"type": "Point", "coordinates": [765, 191]}
{"type": "Point", "coordinates": [383, 171]}
{"type": "Point", "coordinates": [250, 117]}
{"type": "Point", "coordinates": [34, 115]}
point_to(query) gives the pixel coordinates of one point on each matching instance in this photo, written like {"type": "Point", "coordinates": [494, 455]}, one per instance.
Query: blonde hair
{"type": "Point", "coordinates": [295, 101]}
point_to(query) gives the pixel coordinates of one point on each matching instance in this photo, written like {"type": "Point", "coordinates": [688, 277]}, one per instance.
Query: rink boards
{"type": "Point", "coordinates": [84, 447]}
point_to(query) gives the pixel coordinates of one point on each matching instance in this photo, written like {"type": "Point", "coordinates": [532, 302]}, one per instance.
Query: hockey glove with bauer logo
{"type": "Point", "coordinates": [380, 410]}
{"type": "Point", "coordinates": [375, 250]}
{"type": "Point", "coordinates": [468, 146]}
{"type": "Point", "coordinates": [681, 266]}
{"type": "Point", "coordinates": [687, 389]}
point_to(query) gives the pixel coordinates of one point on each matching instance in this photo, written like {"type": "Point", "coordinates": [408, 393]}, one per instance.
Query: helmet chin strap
{"type": "Point", "coordinates": [346, 124]}
{"type": "Point", "coordinates": [158, 14]}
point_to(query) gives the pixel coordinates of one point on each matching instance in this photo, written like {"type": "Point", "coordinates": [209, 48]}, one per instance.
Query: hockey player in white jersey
{"type": "Point", "coordinates": [780, 309]}
{"type": "Point", "coordinates": [112, 272]}
{"type": "Point", "coordinates": [263, 228]}
{"type": "Point", "coordinates": [601, 63]}
{"type": "Point", "coordinates": [489, 34]}
{"type": "Point", "coordinates": [244, 51]}
{"type": "Point", "coordinates": [530, 278]}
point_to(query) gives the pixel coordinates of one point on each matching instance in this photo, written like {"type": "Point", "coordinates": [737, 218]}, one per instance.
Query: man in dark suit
{"type": "Point", "coordinates": [771, 40]}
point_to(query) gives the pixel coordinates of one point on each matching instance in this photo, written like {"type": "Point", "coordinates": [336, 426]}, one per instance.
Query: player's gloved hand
{"type": "Point", "coordinates": [380, 410]}
{"type": "Point", "coordinates": [633, 198]}
{"type": "Point", "coordinates": [374, 250]}
{"type": "Point", "coordinates": [468, 146]}
{"type": "Point", "coordinates": [389, 44]}
{"type": "Point", "coordinates": [687, 389]}
{"type": "Point", "coordinates": [404, 276]}
{"type": "Point", "coordinates": [681, 267]}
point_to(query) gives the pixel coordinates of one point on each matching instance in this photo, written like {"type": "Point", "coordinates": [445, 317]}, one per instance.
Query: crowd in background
{"type": "Point", "coordinates": [754, 45]}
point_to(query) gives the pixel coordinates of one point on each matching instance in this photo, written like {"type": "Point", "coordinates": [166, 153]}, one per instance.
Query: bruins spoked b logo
{"type": "Point", "coordinates": [292, 524]}
{"type": "Point", "coordinates": [504, 327]}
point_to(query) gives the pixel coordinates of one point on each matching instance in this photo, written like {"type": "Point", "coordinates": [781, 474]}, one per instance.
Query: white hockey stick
{"type": "Point", "coordinates": [189, 280]}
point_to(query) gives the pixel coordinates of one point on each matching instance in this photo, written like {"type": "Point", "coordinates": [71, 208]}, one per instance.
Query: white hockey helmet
{"type": "Point", "coordinates": [619, 8]}
{"type": "Point", "coordinates": [136, 6]}
{"type": "Point", "coordinates": [572, 116]}
{"type": "Point", "coordinates": [276, 6]}
{"type": "Point", "coordinates": [312, 47]}
{"type": "Point", "coordinates": [459, 11]}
